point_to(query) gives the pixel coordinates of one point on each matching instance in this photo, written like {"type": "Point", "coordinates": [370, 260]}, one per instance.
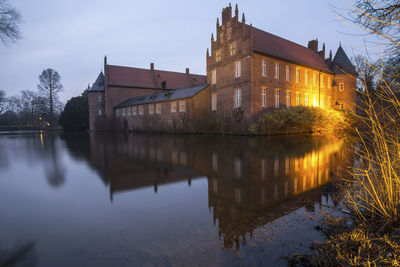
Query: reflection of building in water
{"type": "Point", "coordinates": [247, 178]}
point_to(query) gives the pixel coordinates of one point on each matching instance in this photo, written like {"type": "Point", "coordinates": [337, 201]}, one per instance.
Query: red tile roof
{"type": "Point", "coordinates": [146, 78]}
{"type": "Point", "coordinates": [269, 44]}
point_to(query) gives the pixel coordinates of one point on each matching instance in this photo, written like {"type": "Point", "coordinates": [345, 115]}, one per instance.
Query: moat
{"type": "Point", "coordinates": [162, 200]}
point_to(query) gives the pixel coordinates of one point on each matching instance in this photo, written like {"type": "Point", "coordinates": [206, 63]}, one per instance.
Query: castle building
{"type": "Point", "coordinates": [247, 69]}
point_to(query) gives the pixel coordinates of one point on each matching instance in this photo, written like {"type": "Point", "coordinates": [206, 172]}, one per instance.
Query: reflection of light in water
{"type": "Point", "coordinates": [41, 140]}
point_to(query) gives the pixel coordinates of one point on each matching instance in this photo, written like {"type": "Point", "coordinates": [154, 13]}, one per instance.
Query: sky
{"type": "Point", "coordinates": [73, 36]}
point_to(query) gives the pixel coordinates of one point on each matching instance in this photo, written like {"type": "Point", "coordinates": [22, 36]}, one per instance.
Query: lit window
{"type": "Point", "coordinates": [182, 107]}
{"type": "Point", "coordinates": [123, 112]}
{"type": "Point", "coordinates": [218, 55]}
{"type": "Point", "coordinates": [288, 98]}
{"type": "Point", "coordinates": [134, 111]}
{"type": "Point", "coordinates": [173, 107]}
{"type": "Point", "coordinates": [314, 79]}
{"type": "Point", "coordinates": [238, 68]}
{"type": "Point", "coordinates": [233, 49]}
{"type": "Point", "coordinates": [297, 99]}
{"type": "Point", "coordinates": [264, 97]}
{"type": "Point", "coordinates": [141, 110]}
{"type": "Point", "coordinates": [322, 102]}
{"type": "Point", "coordinates": [238, 98]}
{"type": "Point", "coordinates": [329, 101]}
{"type": "Point", "coordinates": [277, 71]}
{"type": "Point", "coordinates": [277, 98]}
{"type": "Point", "coordinates": [264, 67]}
{"type": "Point", "coordinates": [214, 76]}
{"type": "Point", "coordinates": [297, 75]}
{"type": "Point", "coordinates": [287, 73]}
{"type": "Point", "coordinates": [129, 111]}
{"type": "Point", "coordinates": [321, 81]}
{"type": "Point", "coordinates": [329, 82]}
{"type": "Point", "coordinates": [306, 77]}
{"type": "Point", "coordinates": [341, 87]}
{"type": "Point", "coordinates": [306, 100]}
{"type": "Point", "coordinates": [315, 102]}
{"type": "Point", "coordinates": [151, 109]}
{"type": "Point", "coordinates": [158, 108]}
{"type": "Point", "coordinates": [214, 101]}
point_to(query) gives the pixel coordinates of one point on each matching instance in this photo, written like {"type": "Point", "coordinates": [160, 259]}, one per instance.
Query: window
{"type": "Point", "coordinates": [314, 79]}
{"type": "Point", "coordinates": [277, 71]}
{"type": "Point", "coordinates": [173, 107]}
{"type": "Point", "coordinates": [328, 103]}
{"type": "Point", "coordinates": [288, 98]}
{"type": "Point", "coordinates": [287, 73]}
{"type": "Point", "coordinates": [238, 98]}
{"type": "Point", "coordinates": [214, 101]}
{"type": "Point", "coordinates": [214, 76]}
{"type": "Point", "coordinates": [232, 49]}
{"type": "Point", "coordinates": [182, 107]}
{"type": "Point", "coordinates": [297, 75]}
{"type": "Point", "coordinates": [99, 111]}
{"type": "Point", "coordinates": [141, 110]}
{"type": "Point", "coordinates": [306, 77]}
{"type": "Point", "coordinates": [321, 81]}
{"type": "Point", "coordinates": [315, 102]}
{"type": "Point", "coordinates": [264, 97]}
{"type": "Point", "coordinates": [117, 112]}
{"type": "Point", "coordinates": [306, 100]}
{"type": "Point", "coordinates": [123, 112]}
{"type": "Point", "coordinates": [99, 98]}
{"type": "Point", "coordinates": [341, 87]}
{"type": "Point", "coordinates": [151, 109]}
{"type": "Point", "coordinates": [264, 67]}
{"type": "Point", "coordinates": [321, 101]}
{"type": "Point", "coordinates": [277, 98]}
{"type": "Point", "coordinates": [329, 83]}
{"type": "Point", "coordinates": [229, 33]}
{"type": "Point", "coordinates": [222, 36]}
{"type": "Point", "coordinates": [238, 68]}
{"type": "Point", "coordinates": [297, 99]}
{"type": "Point", "coordinates": [134, 111]}
{"type": "Point", "coordinates": [218, 55]}
{"type": "Point", "coordinates": [158, 108]}
{"type": "Point", "coordinates": [129, 111]}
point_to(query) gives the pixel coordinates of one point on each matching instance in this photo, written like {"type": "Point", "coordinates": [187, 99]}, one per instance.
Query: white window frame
{"type": "Point", "coordinates": [264, 67]}
{"type": "Point", "coordinates": [264, 97]}
{"type": "Point", "coordinates": [134, 111]}
{"type": "Point", "coordinates": [128, 111]}
{"type": "Point", "coordinates": [182, 106]}
{"type": "Point", "coordinates": [287, 73]}
{"type": "Point", "coordinates": [238, 68]}
{"type": "Point", "coordinates": [151, 109]}
{"type": "Point", "coordinates": [277, 71]}
{"type": "Point", "coordinates": [214, 101]}
{"type": "Point", "coordinates": [297, 99]}
{"type": "Point", "coordinates": [141, 110]}
{"type": "Point", "coordinates": [288, 98]}
{"type": "Point", "coordinates": [123, 113]}
{"type": "Point", "coordinates": [117, 112]}
{"type": "Point", "coordinates": [277, 98]}
{"type": "Point", "coordinates": [173, 107]}
{"type": "Point", "coordinates": [238, 98]}
{"type": "Point", "coordinates": [99, 110]}
{"type": "Point", "coordinates": [213, 76]}
{"type": "Point", "coordinates": [99, 98]}
{"type": "Point", "coordinates": [158, 108]}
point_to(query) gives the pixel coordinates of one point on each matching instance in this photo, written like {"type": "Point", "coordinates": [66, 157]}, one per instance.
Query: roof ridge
{"type": "Point", "coordinates": [176, 72]}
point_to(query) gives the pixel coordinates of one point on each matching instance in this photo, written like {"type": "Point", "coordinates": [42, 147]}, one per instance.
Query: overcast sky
{"type": "Point", "coordinates": [72, 36]}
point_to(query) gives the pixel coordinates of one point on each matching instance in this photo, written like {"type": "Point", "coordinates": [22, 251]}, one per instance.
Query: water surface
{"type": "Point", "coordinates": [161, 200]}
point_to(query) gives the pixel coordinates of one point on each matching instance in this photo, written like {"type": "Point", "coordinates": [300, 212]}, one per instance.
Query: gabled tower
{"type": "Point", "coordinates": [96, 101]}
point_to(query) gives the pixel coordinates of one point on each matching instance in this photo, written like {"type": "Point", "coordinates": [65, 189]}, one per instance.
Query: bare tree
{"type": "Point", "coordinates": [32, 104]}
{"type": "Point", "coordinates": [9, 23]}
{"type": "Point", "coordinates": [49, 86]}
{"type": "Point", "coordinates": [2, 101]}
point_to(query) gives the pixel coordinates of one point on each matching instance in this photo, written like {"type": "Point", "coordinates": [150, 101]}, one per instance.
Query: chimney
{"type": "Point", "coordinates": [187, 70]}
{"type": "Point", "coordinates": [152, 66]}
{"type": "Point", "coordinates": [313, 45]}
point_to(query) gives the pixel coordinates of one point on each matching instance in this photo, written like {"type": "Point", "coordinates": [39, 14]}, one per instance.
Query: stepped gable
{"type": "Point", "coordinates": [120, 76]}
{"type": "Point", "coordinates": [341, 64]}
